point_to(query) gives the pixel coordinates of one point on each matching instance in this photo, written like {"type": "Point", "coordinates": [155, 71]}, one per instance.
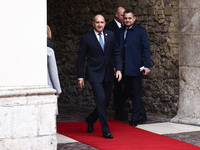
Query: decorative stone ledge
{"type": "Point", "coordinates": [25, 91]}
{"type": "Point", "coordinates": [28, 118]}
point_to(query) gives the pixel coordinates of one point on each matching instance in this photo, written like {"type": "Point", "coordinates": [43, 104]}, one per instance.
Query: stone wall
{"type": "Point", "coordinates": [28, 118]}
{"type": "Point", "coordinates": [70, 19]}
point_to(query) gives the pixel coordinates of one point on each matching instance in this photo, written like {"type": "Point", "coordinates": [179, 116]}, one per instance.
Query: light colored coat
{"type": "Point", "coordinates": [53, 79]}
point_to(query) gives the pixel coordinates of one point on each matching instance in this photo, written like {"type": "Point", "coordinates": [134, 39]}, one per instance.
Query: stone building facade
{"type": "Point", "coordinates": [70, 19]}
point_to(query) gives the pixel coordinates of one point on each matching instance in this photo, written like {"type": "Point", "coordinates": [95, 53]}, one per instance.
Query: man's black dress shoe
{"type": "Point", "coordinates": [90, 127]}
{"type": "Point", "coordinates": [133, 123]}
{"type": "Point", "coordinates": [107, 134]}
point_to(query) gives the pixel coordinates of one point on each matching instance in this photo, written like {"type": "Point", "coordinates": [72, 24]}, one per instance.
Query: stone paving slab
{"type": "Point", "coordinates": [64, 139]}
{"type": "Point", "coordinates": [188, 137]}
{"type": "Point", "coordinates": [168, 128]}
{"type": "Point", "coordinates": [75, 146]}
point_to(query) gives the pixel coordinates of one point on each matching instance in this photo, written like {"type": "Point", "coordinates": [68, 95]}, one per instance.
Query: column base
{"type": "Point", "coordinates": [28, 118]}
{"type": "Point", "coordinates": [186, 120]}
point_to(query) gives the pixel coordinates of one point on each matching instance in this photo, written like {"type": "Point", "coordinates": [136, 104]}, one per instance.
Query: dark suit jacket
{"type": "Point", "coordinates": [137, 49]}
{"type": "Point", "coordinates": [99, 64]}
{"type": "Point", "coordinates": [112, 26]}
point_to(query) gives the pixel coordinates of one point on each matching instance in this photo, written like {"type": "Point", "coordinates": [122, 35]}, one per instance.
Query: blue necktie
{"type": "Point", "coordinates": [101, 41]}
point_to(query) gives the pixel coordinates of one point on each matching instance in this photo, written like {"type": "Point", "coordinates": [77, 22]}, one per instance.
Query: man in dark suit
{"type": "Point", "coordinates": [135, 50]}
{"type": "Point", "coordinates": [116, 23]}
{"type": "Point", "coordinates": [101, 50]}
{"type": "Point", "coordinates": [114, 26]}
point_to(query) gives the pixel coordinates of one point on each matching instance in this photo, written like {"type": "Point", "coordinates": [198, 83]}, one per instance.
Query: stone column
{"type": "Point", "coordinates": [189, 63]}
{"type": "Point", "coordinates": [27, 104]}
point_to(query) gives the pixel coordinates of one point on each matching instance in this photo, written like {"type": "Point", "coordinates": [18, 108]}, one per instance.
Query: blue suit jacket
{"type": "Point", "coordinates": [99, 66]}
{"type": "Point", "coordinates": [137, 49]}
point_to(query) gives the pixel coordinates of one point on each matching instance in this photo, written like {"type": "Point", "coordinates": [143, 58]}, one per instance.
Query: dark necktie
{"type": "Point", "coordinates": [125, 38]}
{"type": "Point", "coordinates": [122, 25]}
{"type": "Point", "coordinates": [125, 41]}
{"type": "Point", "coordinates": [101, 41]}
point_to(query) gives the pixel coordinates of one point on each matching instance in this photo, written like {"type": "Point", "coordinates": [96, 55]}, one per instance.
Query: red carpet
{"type": "Point", "coordinates": [126, 137]}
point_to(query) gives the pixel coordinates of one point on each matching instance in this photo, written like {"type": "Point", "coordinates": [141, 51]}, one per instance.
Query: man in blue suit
{"type": "Point", "coordinates": [100, 48]}
{"type": "Point", "coordinates": [135, 50]}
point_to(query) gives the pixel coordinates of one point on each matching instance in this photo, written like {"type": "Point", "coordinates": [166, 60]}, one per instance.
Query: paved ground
{"type": "Point", "coordinates": [163, 126]}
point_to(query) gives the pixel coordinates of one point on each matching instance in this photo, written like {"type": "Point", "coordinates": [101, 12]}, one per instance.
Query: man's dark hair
{"type": "Point", "coordinates": [129, 11]}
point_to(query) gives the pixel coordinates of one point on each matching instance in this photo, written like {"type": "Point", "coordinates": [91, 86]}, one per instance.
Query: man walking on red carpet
{"type": "Point", "coordinates": [101, 49]}
{"type": "Point", "coordinates": [136, 56]}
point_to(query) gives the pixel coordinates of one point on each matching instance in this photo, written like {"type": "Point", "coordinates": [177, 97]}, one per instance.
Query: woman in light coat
{"type": "Point", "coordinates": [53, 79]}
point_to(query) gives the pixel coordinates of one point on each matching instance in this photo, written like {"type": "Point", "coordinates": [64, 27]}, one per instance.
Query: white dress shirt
{"type": "Point", "coordinates": [118, 23]}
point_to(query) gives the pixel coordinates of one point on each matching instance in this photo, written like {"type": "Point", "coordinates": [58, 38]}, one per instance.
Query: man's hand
{"type": "Point", "coordinates": [81, 83]}
{"type": "Point", "coordinates": [146, 70]}
{"type": "Point", "coordinates": [119, 75]}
